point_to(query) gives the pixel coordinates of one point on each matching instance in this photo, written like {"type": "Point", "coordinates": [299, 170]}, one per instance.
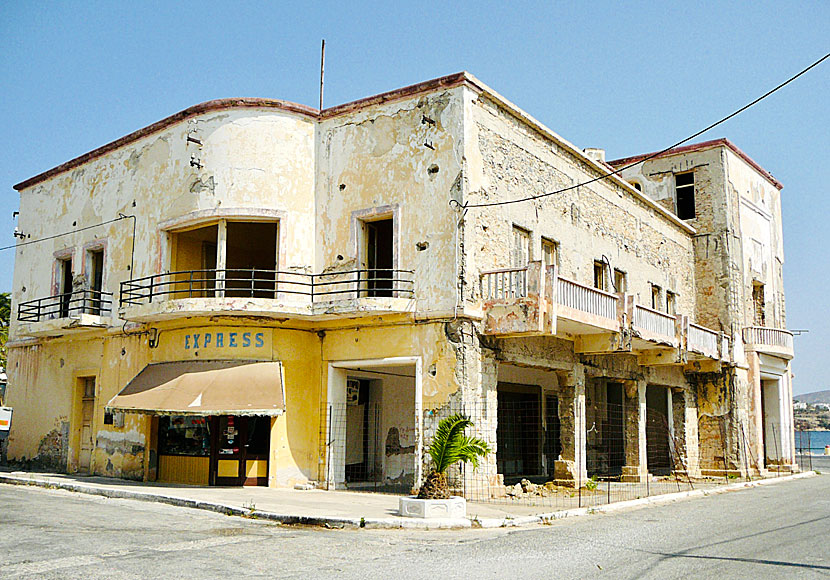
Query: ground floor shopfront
{"type": "Point", "coordinates": [347, 405]}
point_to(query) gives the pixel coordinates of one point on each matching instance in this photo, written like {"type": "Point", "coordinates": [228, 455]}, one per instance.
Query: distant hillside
{"type": "Point", "coordinates": [813, 398]}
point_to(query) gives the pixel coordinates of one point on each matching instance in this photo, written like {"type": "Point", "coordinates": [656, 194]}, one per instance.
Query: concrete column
{"type": "Point", "coordinates": [689, 441]}
{"type": "Point", "coordinates": [221, 257]}
{"type": "Point", "coordinates": [634, 421]}
{"type": "Point", "coordinates": [571, 465]}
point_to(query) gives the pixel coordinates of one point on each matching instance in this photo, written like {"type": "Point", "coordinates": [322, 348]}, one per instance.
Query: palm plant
{"type": "Point", "coordinates": [449, 446]}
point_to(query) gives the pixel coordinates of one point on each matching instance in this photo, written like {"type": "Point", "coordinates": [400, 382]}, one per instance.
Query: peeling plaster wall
{"type": "Point", "coordinates": [402, 160]}
{"type": "Point", "coordinates": [509, 159]}
{"type": "Point", "coordinates": [249, 158]}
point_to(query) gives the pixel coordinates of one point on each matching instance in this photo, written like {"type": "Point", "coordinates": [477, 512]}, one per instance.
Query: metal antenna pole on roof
{"type": "Point", "coordinates": [322, 70]}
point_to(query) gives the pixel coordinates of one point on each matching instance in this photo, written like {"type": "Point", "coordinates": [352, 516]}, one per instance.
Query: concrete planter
{"type": "Point", "coordinates": [412, 507]}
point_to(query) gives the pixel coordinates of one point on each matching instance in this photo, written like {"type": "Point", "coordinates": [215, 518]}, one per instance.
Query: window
{"type": "Point", "coordinates": [759, 316]}
{"type": "Point", "coordinates": [620, 281]}
{"type": "Point", "coordinates": [550, 252]}
{"type": "Point", "coordinates": [684, 188]}
{"type": "Point", "coordinates": [600, 275]}
{"type": "Point", "coordinates": [656, 296]}
{"type": "Point", "coordinates": [671, 303]}
{"type": "Point", "coordinates": [380, 257]}
{"type": "Point", "coordinates": [520, 254]}
{"type": "Point", "coordinates": [637, 186]}
{"type": "Point", "coordinates": [182, 435]}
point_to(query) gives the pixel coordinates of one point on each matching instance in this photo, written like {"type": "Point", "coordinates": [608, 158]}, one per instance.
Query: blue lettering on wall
{"type": "Point", "coordinates": [232, 341]}
{"type": "Point", "coordinates": [187, 342]}
{"type": "Point", "coordinates": [259, 340]}
{"type": "Point", "coordinates": [206, 343]}
{"type": "Point", "coordinates": [246, 339]}
{"type": "Point", "coordinates": [196, 340]}
{"type": "Point", "coordinates": [220, 339]}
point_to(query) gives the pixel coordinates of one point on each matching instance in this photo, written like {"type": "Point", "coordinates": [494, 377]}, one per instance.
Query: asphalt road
{"type": "Point", "coordinates": [777, 531]}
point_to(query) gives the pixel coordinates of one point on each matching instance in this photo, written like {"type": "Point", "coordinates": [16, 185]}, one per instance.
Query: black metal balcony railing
{"type": "Point", "coordinates": [269, 284]}
{"type": "Point", "coordinates": [66, 305]}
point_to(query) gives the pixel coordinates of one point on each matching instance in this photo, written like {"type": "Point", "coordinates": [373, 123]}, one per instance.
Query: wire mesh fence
{"type": "Point", "coordinates": [537, 459]}
{"type": "Point", "coordinates": [804, 449]}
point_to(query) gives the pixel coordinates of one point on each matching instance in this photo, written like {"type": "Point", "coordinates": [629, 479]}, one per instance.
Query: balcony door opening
{"type": "Point", "coordinates": [251, 259]}
{"type": "Point", "coordinates": [96, 275]}
{"type": "Point", "coordinates": [380, 252]}
{"type": "Point", "coordinates": [65, 285]}
{"type": "Point", "coordinates": [194, 263]}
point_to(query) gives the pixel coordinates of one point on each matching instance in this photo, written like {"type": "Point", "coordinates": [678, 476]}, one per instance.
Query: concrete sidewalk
{"type": "Point", "coordinates": [331, 509]}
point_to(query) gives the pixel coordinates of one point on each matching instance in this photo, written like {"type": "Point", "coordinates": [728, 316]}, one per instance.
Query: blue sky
{"type": "Point", "coordinates": [628, 77]}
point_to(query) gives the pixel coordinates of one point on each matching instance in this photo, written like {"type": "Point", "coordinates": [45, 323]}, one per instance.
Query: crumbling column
{"type": "Point", "coordinates": [634, 420]}
{"type": "Point", "coordinates": [685, 420]}
{"type": "Point", "coordinates": [571, 465]}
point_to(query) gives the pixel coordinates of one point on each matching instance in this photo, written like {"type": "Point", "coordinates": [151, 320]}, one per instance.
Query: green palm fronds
{"type": "Point", "coordinates": [450, 445]}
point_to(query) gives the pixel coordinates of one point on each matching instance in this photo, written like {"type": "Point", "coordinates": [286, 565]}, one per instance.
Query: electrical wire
{"type": "Point", "coordinates": [649, 157]}
{"type": "Point", "coordinates": [119, 218]}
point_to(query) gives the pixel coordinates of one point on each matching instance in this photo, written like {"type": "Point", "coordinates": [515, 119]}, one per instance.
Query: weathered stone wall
{"type": "Point", "coordinates": [400, 160]}
{"type": "Point", "coordinates": [510, 159]}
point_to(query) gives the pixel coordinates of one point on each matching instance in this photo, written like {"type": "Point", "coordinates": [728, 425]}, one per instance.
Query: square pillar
{"type": "Point", "coordinates": [634, 420]}
{"type": "Point", "coordinates": [571, 465]}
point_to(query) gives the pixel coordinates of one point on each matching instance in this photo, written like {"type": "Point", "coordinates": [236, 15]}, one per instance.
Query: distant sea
{"type": "Point", "coordinates": [815, 440]}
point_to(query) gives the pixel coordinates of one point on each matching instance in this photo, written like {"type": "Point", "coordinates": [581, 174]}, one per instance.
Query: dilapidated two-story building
{"type": "Point", "coordinates": [254, 292]}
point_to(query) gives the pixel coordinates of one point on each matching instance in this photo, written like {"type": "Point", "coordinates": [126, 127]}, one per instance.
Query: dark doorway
{"type": "Point", "coordinates": [251, 259]}
{"type": "Point", "coordinates": [657, 430]}
{"type": "Point", "coordinates": [553, 443]}
{"type": "Point", "coordinates": [519, 433]}
{"type": "Point", "coordinates": [65, 285]}
{"type": "Point", "coordinates": [96, 266]}
{"type": "Point", "coordinates": [613, 430]}
{"type": "Point", "coordinates": [362, 431]}
{"type": "Point", "coordinates": [239, 450]}
{"type": "Point", "coordinates": [380, 257]}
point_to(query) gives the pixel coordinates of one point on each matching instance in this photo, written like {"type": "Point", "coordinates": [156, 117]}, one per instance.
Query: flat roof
{"type": "Point", "coordinates": [223, 104]}
{"type": "Point", "coordinates": [723, 142]}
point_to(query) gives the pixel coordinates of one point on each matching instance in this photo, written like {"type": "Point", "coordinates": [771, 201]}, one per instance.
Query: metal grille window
{"type": "Point", "coordinates": [684, 187]}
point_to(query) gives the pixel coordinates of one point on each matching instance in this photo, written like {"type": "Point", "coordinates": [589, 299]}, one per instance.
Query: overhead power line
{"type": "Point", "coordinates": [649, 157]}
{"type": "Point", "coordinates": [119, 218]}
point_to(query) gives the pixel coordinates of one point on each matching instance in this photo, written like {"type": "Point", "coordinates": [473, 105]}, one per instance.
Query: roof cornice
{"type": "Point", "coordinates": [723, 142]}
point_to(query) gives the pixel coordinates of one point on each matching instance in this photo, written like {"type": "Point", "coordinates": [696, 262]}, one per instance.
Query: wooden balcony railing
{"type": "Point", "coordinates": [586, 299]}
{"type": "Point", "coordinates": [654, 321]}
{"type": "Point", "coordinates": [504, 284]}
{"type": "Point", "coordinates": [768, 336]}
{"type": "Point", "coordinates": [702, 340]}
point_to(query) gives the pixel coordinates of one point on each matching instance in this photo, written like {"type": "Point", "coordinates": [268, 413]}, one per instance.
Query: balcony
{"type": "Point", "coordinates": [581, 309]}
{"type": "Point", "coordinates": [71, 311]}
{"type": "Point", "coordinates": [773, 341]}
{"type": "Point", "coordinates": [267, 293]}
{"type": "Point", "coordinates": [652, 327]}
{"type": "Point", "coordinates": [513, 301]}
{"type": "Point", "coordinates": [702, 342]}
{"type": "Point", "coordinates": [536, 301]}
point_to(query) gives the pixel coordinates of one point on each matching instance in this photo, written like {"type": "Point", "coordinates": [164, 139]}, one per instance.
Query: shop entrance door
{"type": "Point", "coordinates": [239, 450]}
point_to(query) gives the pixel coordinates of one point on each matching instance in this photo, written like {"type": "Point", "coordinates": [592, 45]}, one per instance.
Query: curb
{"type": "Point", "coordinates": [332, 522]}
{"type": "Point", "coordinates": [548, 518]}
